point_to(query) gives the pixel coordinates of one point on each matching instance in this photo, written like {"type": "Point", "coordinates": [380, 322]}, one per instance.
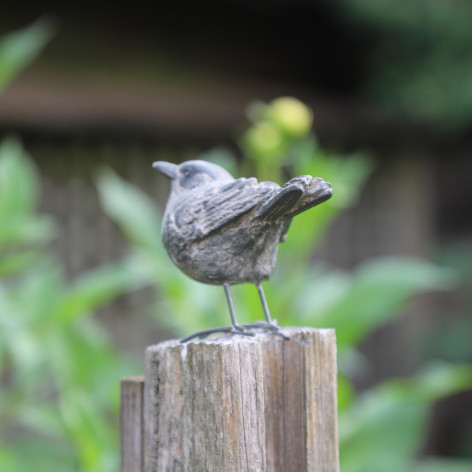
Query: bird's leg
{"type": "Point", "coordinates": [234, 322]}
{"type": "Point", "coordinates": [270, 324]}
{"type": "Point", "coordinates": [235, 328]}
{"type": "Point", "coordinates": [264, 304]}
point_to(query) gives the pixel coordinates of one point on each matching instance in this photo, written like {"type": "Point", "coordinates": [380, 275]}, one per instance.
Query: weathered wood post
{"type": "Point", "coordinates": [235, 403]}
{"type": "Point", "coordinates": [131, 423]}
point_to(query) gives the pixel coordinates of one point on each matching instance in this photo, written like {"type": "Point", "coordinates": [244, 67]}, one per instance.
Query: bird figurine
{"type": "Point", "coordinates": [225, 231]}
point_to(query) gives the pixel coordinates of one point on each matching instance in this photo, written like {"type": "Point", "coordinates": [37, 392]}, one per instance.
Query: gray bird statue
{"type": "Point", "coordinates": [224, 231]}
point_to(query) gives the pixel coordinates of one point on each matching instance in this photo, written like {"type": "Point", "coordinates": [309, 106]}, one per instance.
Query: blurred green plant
{"type": "Point", "coordinates": [59, 373]}
{"type": "Point", "coordinates": [417, 58]}
{"type": "Point", "coordinates": [381, 429]}
{"type": "Point", "coordinates": [20, 48]}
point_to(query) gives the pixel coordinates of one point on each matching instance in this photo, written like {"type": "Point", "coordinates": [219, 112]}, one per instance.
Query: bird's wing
{"type": "Point", "coordinates": [282, 202]}
{"type": "Point", "coordinates": [220, 205]}
{"type": "Point", "coordinates": [296, 196]}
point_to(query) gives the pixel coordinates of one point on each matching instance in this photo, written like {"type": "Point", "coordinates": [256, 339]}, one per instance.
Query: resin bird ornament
{"type": "Point", "coordinates": [225, 231]}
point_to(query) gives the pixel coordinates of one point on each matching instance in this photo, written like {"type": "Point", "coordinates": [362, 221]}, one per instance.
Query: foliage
{"type": "Point", "coordinates": [59, 367]}
{"type": "Point", "coordinates": [384, 428]}
{"type": "Point", "coordinates": [59, 372]}
{"type": "Point", "coordinates": [381, 429]}
{"type": "Point", "coordinates": [20, 48]}
{"type": "Point", "coordinates": [418, 56]}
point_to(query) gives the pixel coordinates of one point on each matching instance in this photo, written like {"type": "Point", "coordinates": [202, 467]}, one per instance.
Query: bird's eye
{"type": "Point", "coordinates": [187, 171]}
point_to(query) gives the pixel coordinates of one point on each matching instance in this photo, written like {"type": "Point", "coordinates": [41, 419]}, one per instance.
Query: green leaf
{"type": "Point", "coordinates": [19, 181]}
{"type": "Point", "coordinates": [132, 210]}
{"type": "Point", "coordinates": [379, 435]}
{"type": "Point", "coordinates": [33, 453]}
{"type": "Point", "coordinates": [7, 459]}
{"type": "Point", "coordinates": [345, 393]}
{"type": "Point", "coordinates": [378, 292]}
{"type": "Point", "coordinates": [39, 292]}
{"type": "Point", "coordinates": [18, 198]}
{"type": "Point", "coordinates": [434, 382]}
{"type": "Point", "coordinates": [387, 424]}
{"type": "Point", "coordinates": [95, 288]}
{"type": "Point", "coordinates": [20, 48]}
{"type": "Point", "coordinates": [89, 429]}
{"type": "Point", "coordinates": [12, 264]}
{"type": "Point", "coordinates": [42, 418]}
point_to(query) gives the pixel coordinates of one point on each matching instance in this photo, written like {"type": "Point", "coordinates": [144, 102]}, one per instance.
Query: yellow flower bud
{"type": "Point", "coordinates": [264, 139]}
{"type": "Point", "coordinates": [292, 116]}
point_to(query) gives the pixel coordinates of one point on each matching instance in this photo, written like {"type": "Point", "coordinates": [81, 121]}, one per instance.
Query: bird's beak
{"type": "Point", "coordinates": [166, 168]}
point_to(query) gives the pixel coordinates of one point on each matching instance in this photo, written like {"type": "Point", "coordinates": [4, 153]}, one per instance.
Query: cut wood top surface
{"type": "Point", "coordinates": [295, 333]}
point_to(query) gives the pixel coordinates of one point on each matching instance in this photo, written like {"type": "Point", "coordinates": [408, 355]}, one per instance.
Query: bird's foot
{"type": "Point", "coordinates": [269, 327]}
{"type": "Point", "coordinates": [228, 329]}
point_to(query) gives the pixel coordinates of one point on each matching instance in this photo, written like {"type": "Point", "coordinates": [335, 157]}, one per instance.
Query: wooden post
{"type": "Point", "coordinates": [237, 403]}
{"type": "Point", "coordinates": [131, 423]}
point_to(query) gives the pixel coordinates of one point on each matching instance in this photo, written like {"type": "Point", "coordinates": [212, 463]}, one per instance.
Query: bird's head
{"type": "Point", "coordinates": [191, 174]}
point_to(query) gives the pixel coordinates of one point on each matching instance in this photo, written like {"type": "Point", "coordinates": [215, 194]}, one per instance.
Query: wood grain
{"type": "Point", "coordinates": [236, 403]}
{"type": "Point", "coordinates": [131, 423]}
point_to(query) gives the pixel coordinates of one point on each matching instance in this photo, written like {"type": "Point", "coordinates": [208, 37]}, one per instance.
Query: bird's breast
{"type": "Point", "coordinates": [241, 253]}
